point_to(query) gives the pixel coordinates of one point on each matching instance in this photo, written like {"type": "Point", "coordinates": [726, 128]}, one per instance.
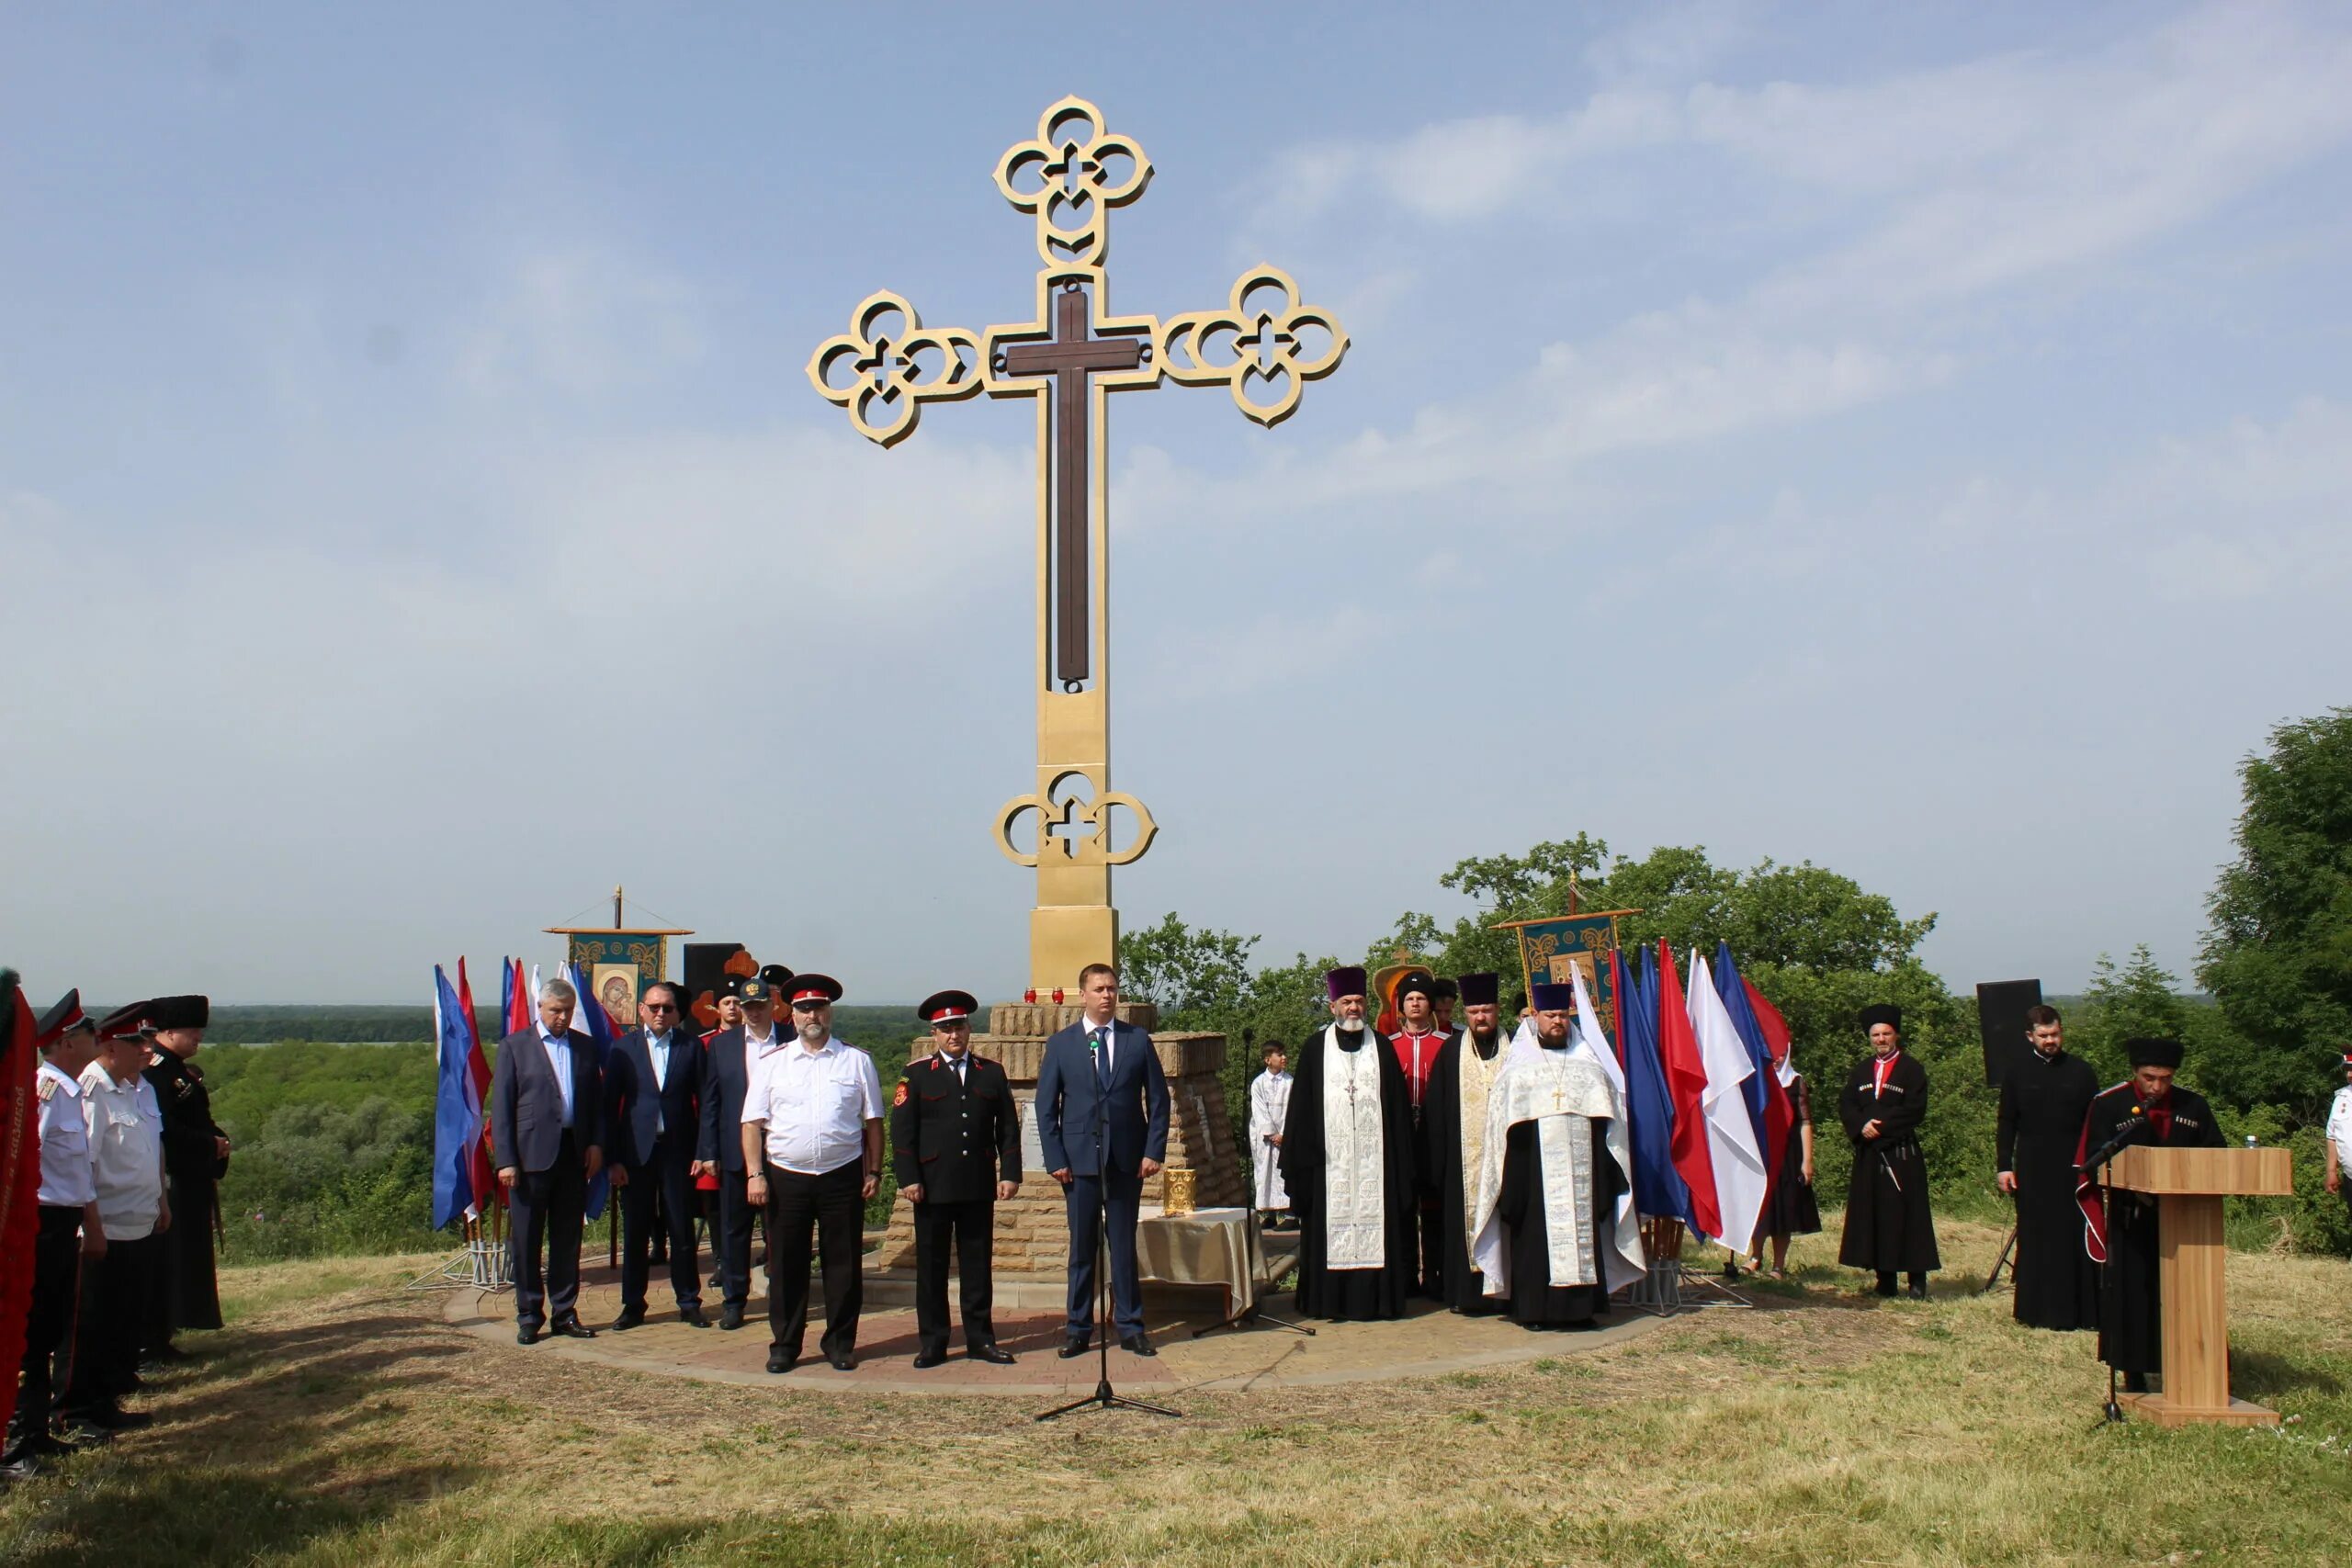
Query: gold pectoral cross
{"type": "Point", "coordinates": [1263, 346]}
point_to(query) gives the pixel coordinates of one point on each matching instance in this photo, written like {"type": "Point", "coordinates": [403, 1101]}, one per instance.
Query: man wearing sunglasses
{"type": "Point", "coordinates": [653, 1086]}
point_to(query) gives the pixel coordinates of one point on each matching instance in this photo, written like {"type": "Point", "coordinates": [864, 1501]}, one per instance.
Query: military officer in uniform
{"type": "Point", "coordinates": [196, 1157]}
{"type": "Point", "coordinates": [956, 1141]}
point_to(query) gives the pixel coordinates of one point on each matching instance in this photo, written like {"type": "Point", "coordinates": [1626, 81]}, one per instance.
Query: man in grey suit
{"type": "Point", "coordinates": [1103, 1126]}
{"type": "Point", "coordinates": [546, 1118]}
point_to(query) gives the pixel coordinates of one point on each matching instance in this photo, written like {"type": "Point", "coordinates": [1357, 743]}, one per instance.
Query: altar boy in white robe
{"type": "Point", "coordinates": [1557, 1157]}
{"type": "Point", "coordinates": [1268, 1107]}
{"type": "Point", "coordinates": [1346, 1162]}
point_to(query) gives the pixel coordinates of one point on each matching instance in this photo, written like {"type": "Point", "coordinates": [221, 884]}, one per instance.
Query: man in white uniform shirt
{"type": "Point", "coordinates": [69, 1226]}
{"type": "Point", "coordinates": [813, 1139]}
{"type": "Point", "coordinates": [2339, 1135]}
{"type": "Point", "coordinates": [125, 1134]}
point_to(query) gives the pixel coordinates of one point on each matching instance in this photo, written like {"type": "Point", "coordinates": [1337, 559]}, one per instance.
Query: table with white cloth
{"type": "Point", "coordinates": [1207, 1246]}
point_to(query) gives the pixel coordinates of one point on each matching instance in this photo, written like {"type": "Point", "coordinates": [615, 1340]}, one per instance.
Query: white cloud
{"type": "Point", "coordinates": [580, 320]}
{"type": "Point", "coordinates": [1211, 663]}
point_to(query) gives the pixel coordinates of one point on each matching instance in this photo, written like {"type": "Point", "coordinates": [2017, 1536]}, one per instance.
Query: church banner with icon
{"type": "Point", "coordinates": [1553, 948]}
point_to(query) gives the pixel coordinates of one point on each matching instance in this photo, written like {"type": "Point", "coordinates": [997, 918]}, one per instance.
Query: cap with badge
{"type": "Point", "coordinates": [1420, 980]}
{"type": "Point", "coordinates": [754, 992]}
{"type": "Point", "coordinates": [66, 1018]}
{"type": "Point", "coordinates": [776, 976]}
{"type": "Point", "coordinates": [942, 1007]}
{"type": "Point", "coordinates": [127, 1021]}
{"type": "Point", "coordinates": [808, 990]}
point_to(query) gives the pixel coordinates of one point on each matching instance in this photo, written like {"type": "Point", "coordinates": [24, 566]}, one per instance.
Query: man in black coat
{"type": "Point", "coordinates": [734, 1055]}
{"type": "Point", "coordinates": [1453, 1118]}
{"type": "Point", "coordinates": [196, 1157]}
{"type": "Point", "coordinates": [546, 1129]}
{"type": "Point", "coordinates": [653, 1094]}
{"type": "Point", "coordinates": [955, 1145]}
{"type": "Point", "coordinates": [1350, 1166]}
{"type": "Point", "coordinates": [2038, 1139]}
{"type": "Point", "coordinates": [2146, 1107]}
{"type": "Point", "coordinates": [1888, 1226]}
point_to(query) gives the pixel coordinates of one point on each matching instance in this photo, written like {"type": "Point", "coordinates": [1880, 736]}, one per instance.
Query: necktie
{"type": "Point", "coordinates": [1101, 1058]}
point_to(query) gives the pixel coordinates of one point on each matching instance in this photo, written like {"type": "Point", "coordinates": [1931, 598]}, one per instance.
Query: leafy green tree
{"type": "Point", "coordinates": [2278, 955]}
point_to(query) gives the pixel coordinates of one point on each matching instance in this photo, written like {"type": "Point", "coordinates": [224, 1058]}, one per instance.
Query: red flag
{"type": "Point", "coordinates": [20, 1180]}
{"type": "Point", "coordinates": [485, 1180]}
{"type": "Point", "coordinates": [1686, 1082]}
{"type": "Point", "coordinates": [1780, 1112]}
{"type": "Point", "coordinates": [1775, 1027]}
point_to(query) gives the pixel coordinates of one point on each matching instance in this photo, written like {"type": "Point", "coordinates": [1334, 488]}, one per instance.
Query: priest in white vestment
{"type": "Point", "coordinates": [1346, 1162]}
{"type": "Point", "coordinates": [1549, 1234]}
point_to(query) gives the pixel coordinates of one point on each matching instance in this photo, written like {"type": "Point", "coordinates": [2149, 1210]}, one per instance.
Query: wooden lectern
{"type": "Point", "coordinates": [2189, 1186]}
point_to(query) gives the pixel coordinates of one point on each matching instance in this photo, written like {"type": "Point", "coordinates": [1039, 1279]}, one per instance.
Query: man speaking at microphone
{"type": "Point", "coordinates": [1102, 1127]}
{"type": "Point", "coordinates": [2146, 1107]}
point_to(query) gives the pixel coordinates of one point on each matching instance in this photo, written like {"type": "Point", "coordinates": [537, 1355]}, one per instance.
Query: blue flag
{"type": "Point", "coordinates": [1659, 1190]}
{"type": "Point", "coordinates": [591, 1018]}
{"type": "Point", "coordinates": [457, 1109]}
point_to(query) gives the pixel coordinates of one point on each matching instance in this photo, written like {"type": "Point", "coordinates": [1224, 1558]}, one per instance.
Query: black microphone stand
{"type": "Point", "coordinates": [1104, 1397]}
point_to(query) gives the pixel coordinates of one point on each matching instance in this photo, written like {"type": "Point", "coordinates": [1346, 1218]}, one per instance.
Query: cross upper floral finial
{"type": "Point", "coordinates": [1070, 177]}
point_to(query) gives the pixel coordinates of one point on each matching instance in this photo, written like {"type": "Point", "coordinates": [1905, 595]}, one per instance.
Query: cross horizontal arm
{"type": "Point", "coordinates": [1044, 359]}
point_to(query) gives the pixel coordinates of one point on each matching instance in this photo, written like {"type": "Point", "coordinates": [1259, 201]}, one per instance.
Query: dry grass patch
{"type": "Point", "coordinates": [341, 1421]}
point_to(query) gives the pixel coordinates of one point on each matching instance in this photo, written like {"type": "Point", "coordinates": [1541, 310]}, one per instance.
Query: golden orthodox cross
{"type": "Point", "coordinates": [1262, 346]}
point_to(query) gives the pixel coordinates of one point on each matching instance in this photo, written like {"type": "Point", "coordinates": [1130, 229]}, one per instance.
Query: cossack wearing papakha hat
{"type": "Point", "coordinates": [1882, 1013]}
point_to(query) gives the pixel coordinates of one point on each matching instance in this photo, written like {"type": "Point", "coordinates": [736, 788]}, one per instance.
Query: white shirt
{"type": "Point", "coordinates": [758, 1051]}
{"type": "Point", "coordinates": [558, 1050]}
{"type": "Point", "coordinates": [2339, 1128]}
{"type": "Point", "coordinates": [1107, 1032]}
{"type": "Point", "coordinates": [657, 1050]}
{"type": "Point", "coordinates": [127, 1151]}
{"type": "Point", "coordinates": [816, 1105]}
{"type": "Point", "coordinates": [67, 1179]}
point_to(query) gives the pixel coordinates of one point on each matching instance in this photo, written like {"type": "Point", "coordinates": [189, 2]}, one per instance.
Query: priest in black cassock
{"type": "Point", "coordinates": [2146, 1108]}
{"type": "Point", "coordinates": [2039, 1137]}
{"type": "Point", "coordinates": [1453, 1129]}
{"type": "Point", "coordinates": [1548, 1183]}
{"type": "Point", "coordinates": [1888, 1226]}
{"type": "Point", "coordinates": [1347, 1159]}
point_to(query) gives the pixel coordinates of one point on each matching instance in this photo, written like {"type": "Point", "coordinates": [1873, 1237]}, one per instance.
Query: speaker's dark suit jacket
{"type": "Point", "coordinates": [634, 1107]}
{"type": "Point", "coordinates": [722, 1101]}
{"type": "Point", "coordinates": [1067, 1112]}
{"type": "Point", "coordinates": [527, 1103]}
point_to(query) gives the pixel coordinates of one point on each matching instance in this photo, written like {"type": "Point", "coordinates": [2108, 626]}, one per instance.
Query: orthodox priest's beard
{"type": "Point", "coordinates": [1486, 1036]}
{"type": "Point", "coordinates": [1350, 1025]}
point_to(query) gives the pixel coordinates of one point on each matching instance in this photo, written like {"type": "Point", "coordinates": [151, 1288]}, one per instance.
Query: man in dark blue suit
{"type": "Point", "coordinates": [1103, 1126]}
{"type": "Point", "coordinates": [653, 1094]}
{"type": "Point", "coordinates": [733, 1053]}
{"type": "Point", "coordinates": [547, 1124]}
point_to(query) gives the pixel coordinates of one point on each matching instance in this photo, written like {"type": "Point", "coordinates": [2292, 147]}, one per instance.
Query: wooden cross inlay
{"type": "Point", "coordinates": [1071, 356]}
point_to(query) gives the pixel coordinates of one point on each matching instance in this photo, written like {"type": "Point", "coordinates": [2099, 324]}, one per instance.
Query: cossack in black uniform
{"type": "Point", "coordinates": [955, 1136]}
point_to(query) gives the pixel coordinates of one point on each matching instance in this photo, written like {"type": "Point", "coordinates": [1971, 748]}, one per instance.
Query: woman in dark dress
{"type": "Point", "coordinates": [1790, 1210]}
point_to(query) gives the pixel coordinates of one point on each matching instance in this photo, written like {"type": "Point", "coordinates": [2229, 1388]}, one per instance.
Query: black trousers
{"type": "Point", "coordinates": [968, 1229]}
{"type": "Point", "coordinates": [659, 1203]}
{"type": "Point", "coordinates": [57, 1249]}
{"type": "Point", "coordinates": [546, 1207]}
{"type": "Point", "coordinates": [730, 1247]}
{"type": "Point", "coordinates": [833, 1206]}
{"type": "Point", "coordinates": [109, 1320]}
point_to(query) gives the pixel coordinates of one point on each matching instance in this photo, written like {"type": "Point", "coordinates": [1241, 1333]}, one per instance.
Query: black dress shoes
{"type": "Point", "coordinates": [1917, 1292]}
{"type": "Point", "coordinates": [571, 1329]}
{"type": "Point", "coordinates": [841, 1363]}
{"type": "Point", "coordinates": [526, 1335]}
{"type": "Point", "coordinates": [629, 1318]}
{"type": "Point", "coordinates": [730, 1316]}
{"type": "Point", "coordinates": [926, 1359]}
{"type": "Point", "coordinates": [779, 1361]}
{"type": "Point", "coordinates": [1076, 1345]}
{"type": "Point", "coordinates": [23, 1467]}
{"type": "Point", "coordinates": [989, 1353]}
{"type": "Point", "coordinates": [1138, 1343]}
{"type": "Point", "coordinates": [693, 1318]}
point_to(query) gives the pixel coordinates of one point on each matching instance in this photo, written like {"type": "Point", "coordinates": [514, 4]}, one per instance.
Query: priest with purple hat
{"type": "Point", "coordinates": [1347, 1161]}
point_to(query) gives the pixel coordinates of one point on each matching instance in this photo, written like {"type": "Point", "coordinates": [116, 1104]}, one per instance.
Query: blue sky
{"type": "Point", "coordinates": [1916, 441]}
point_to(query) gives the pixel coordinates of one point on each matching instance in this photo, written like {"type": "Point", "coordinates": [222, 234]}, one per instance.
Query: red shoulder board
{"type": "Point", "coordinates": [900, 1098]}
{"type": "Point", "coordinates": [980, 1061]}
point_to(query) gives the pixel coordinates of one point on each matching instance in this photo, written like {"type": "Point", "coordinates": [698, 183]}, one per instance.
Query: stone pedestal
{"type": "Point", "coordinates": [1031, 1231]}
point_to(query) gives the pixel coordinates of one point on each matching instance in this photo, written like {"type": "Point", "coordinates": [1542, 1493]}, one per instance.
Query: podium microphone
{"type": "Point", "coordinates": [2133, 1126]}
